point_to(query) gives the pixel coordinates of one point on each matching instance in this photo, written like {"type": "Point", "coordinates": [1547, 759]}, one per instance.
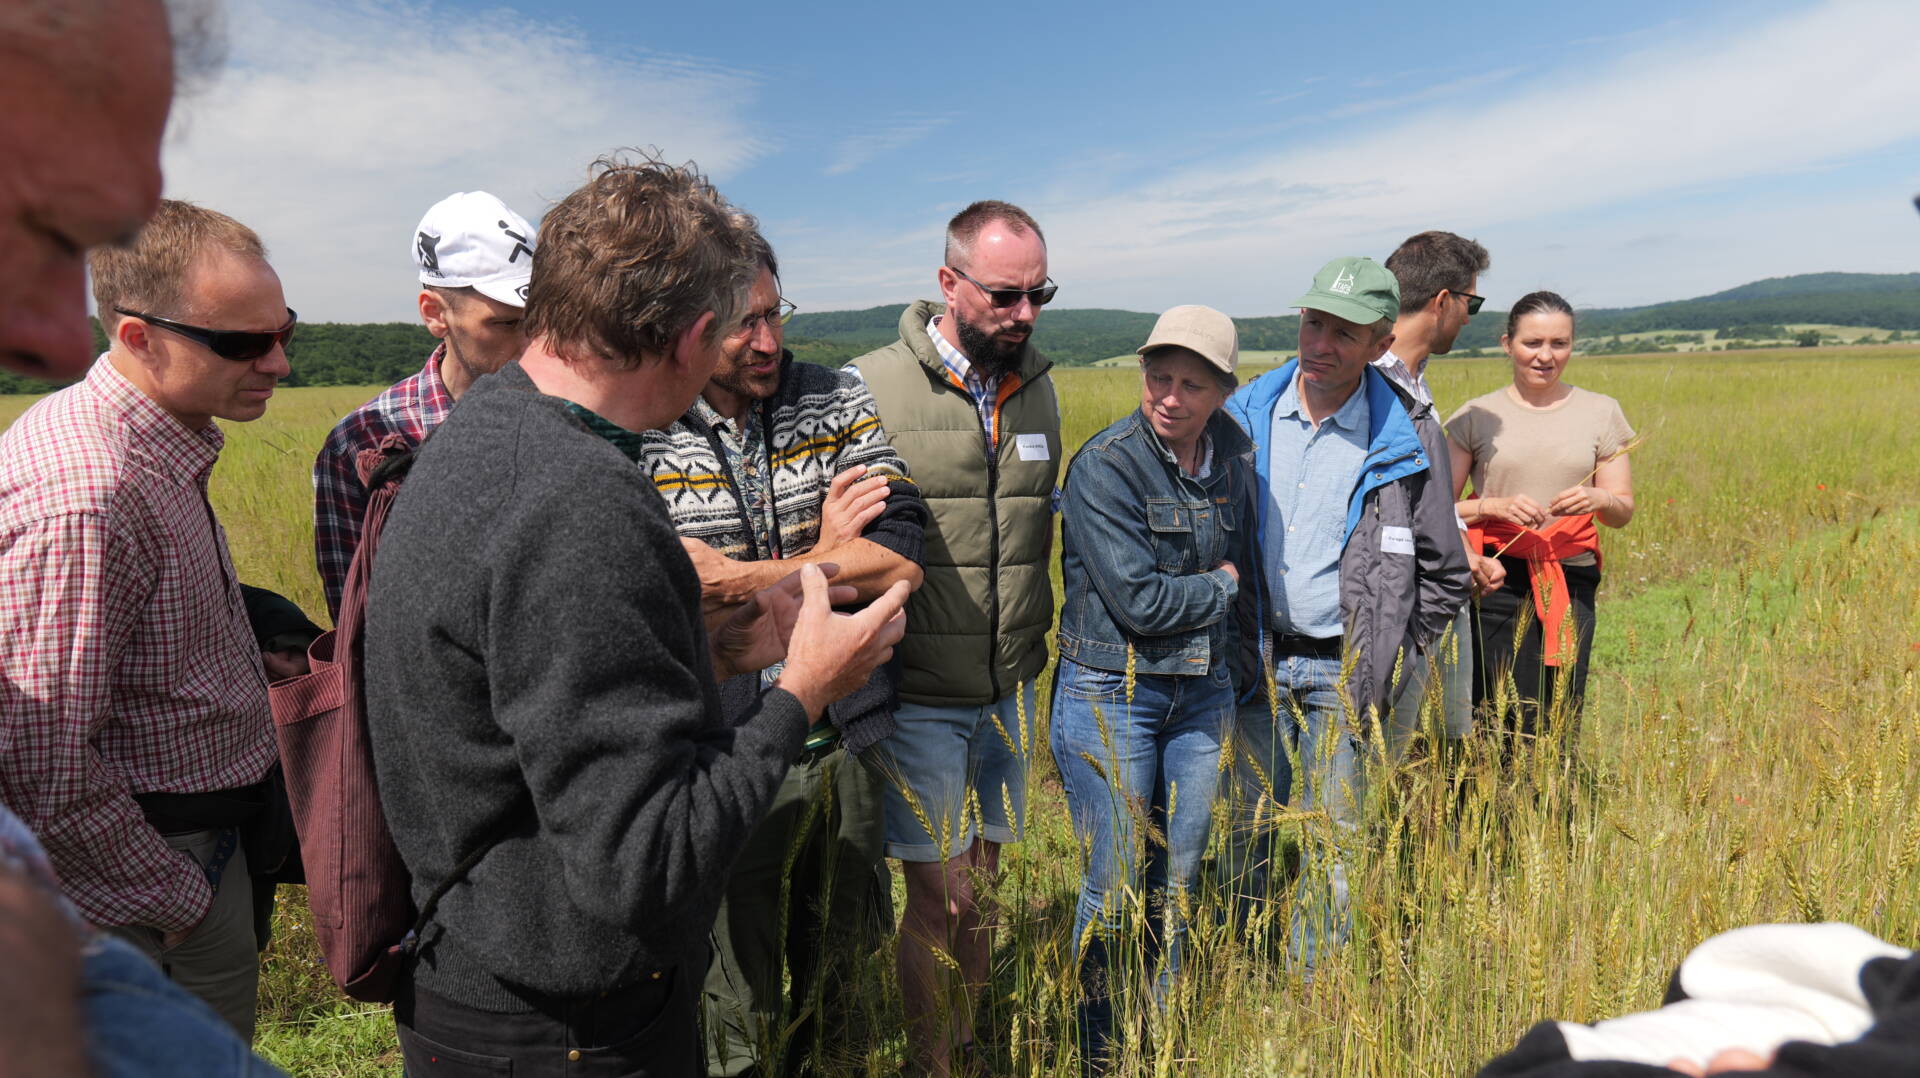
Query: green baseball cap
{"type": "Point", "coordinates": [1356, 289]}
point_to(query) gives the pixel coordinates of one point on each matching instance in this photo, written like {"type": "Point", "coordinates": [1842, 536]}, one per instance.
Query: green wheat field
{"type": "Point", "coordinates": [1747, 755]}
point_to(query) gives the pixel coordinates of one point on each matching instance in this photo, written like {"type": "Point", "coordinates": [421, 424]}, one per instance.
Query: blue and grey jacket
{"type": "Point", "coordinates": [1140, 542]}
{"type": "Point", "coordinates": [1403, 571]}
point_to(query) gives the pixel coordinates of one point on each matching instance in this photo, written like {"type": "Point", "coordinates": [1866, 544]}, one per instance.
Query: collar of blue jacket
{"type": "Point", "coordinates": [1394, 450]}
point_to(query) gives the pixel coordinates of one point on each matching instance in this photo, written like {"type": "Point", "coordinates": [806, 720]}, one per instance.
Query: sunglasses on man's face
{"type": "Point", "coordinates": [241, 346]}
{"type": "Point", "coordinates": [1473, 301]}
{"type": "Point", "coordinates": [1007, 297]}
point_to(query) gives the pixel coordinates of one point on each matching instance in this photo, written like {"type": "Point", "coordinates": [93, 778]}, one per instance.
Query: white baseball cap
{"type": "Point", "coordinates": [471, 239]}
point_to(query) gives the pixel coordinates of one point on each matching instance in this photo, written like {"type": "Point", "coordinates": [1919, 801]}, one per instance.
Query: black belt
{"type": "Point", "coordinates": [1318, 647]}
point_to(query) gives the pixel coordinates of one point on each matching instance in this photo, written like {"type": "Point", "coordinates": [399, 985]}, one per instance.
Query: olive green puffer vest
{"type": "Point", "coordinates": [977, 628]}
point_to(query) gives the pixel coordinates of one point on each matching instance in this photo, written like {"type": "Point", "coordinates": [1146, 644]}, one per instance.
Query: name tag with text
{"type": "Point", "coordinates": [1032, 447]}
{"type": "Point", "coordinates": [1395, 540]}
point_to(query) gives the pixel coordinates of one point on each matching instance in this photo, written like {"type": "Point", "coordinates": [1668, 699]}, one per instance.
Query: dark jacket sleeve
{"type": "Point", "coordinates": [1249, 603]}
{"type": "Point", "coordinates": [1444, 578]}
{"type": "Point", "coordinates": [1107, 512]}
{"type": "Point", "coordinates": [599, 676]}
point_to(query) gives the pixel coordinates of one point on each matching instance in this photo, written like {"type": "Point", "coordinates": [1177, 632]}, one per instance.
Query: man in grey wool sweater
{"type": "Point", "coordinates": [541, 677]}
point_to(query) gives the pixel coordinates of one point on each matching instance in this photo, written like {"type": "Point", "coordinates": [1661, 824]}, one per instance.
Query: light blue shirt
{"type": "Point", "coordinates": [1313, 473]}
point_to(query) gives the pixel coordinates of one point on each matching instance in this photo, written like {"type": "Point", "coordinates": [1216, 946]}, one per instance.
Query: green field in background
{"type": "Point", "coordinates": [1749, 741]}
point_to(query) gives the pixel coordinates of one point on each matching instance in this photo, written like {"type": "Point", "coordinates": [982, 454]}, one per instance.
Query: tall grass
{"type": "Point", "coordinates": [1747, 754]}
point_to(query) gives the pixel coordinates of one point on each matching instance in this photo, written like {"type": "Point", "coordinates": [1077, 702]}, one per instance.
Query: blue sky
{"type": "Point", "coordinates": [1622, 153]}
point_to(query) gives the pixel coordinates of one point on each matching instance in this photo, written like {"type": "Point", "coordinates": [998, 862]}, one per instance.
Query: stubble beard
{"type": "Point", "coordinates": [744, 385]}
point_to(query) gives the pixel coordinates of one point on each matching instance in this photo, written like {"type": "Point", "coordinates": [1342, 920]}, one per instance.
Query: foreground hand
{"type": "Point", "coordinates": [1731, 1061]}
{"type": "Point", "coordinates": [854, 500]}
{"type": "Point", "coordinates": [831, 654]}
{"type": "Point", "coordinates": [1232, 571]}
{"type": "Point", "coordinates": [756, 634]}
{"type": "Point", "coordinates": [1574, 501]}
{"type": "Point", "coordinates": [1488, 574]}
{"type": "Point", "coordinates": [1519, 509]}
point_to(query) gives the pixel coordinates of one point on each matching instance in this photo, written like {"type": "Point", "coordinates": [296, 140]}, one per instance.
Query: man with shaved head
{"type": "Point", "coordinates": [966, 401]}
{"type": "Point", "coordinates": [84, 91]}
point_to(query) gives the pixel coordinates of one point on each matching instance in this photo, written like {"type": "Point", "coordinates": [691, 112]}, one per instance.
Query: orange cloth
{"type": "Point", "coordinates": [1544, 549]}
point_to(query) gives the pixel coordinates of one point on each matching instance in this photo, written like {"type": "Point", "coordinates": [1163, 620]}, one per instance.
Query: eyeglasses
{"type": "Point", "coordinates": [775, 316]}
{"type": "Point", "coordinates": [241, 346]}
{"type": "Point", "coordinates": [1007, 297]}
{"type": "Point", "coordinates": [1473, 301]}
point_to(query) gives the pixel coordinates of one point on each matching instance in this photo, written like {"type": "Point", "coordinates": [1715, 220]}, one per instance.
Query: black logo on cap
{"type": "Point", "coordinates": [521, 292]}
{"type": "Point", "coordinates": [519, 243]}
{"type": "Point", "coordinates": [428, 246]}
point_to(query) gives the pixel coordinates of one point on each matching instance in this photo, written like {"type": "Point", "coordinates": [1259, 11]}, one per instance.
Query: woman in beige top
{"type": "Point", "coordinates": [1547, 463]}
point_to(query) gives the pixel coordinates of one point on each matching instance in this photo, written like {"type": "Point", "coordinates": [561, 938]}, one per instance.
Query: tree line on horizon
{"type": "Point", "coordinates": [379, 353]}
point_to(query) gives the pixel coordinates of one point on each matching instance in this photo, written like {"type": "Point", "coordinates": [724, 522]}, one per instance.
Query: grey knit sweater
{"type": "Point", "coordinates": [537, 668]}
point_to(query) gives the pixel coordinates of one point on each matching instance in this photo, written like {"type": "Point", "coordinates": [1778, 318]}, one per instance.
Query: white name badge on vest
{"type": "Point", "coordinates": [1032, 447]}
{"type": "Point", "coordinates": [1396, 540]}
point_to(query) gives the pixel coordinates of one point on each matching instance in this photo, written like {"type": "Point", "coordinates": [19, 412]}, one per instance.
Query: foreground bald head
{"type": "Point", "coordinates": [84, 90]}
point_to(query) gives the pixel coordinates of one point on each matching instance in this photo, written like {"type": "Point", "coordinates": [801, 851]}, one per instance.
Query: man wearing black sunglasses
{"type": "Point", "coordinates": [1438, 273]}
{"type": "Point", "coordinates": [966, 400]}
{"type": "Point", "coordinates": [141, 748]}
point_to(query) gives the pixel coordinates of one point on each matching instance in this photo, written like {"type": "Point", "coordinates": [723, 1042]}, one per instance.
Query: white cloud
{"type": "Point", "coordinates": [857, 150]}
{"type": "Point", "coordinates": [1532, 157]}
{"type": "Point", "coordinates": [335, 126]}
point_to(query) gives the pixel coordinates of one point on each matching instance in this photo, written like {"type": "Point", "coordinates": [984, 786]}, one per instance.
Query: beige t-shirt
{"type": "Point", "coordinates": [1538, 452]}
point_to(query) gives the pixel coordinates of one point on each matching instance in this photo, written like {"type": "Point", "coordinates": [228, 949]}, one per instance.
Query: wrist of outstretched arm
{"type": "Point", "coordinates": [805, 689]}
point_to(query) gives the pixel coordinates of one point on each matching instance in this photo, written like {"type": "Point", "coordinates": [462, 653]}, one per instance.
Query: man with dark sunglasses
{"type": "Point", "coordinates": [135, 705]}
{"type": "Point", "coordinates": [475, 260]}
{"type": "Point", "coordinates": [1437, 273]}
{"type": "Point", "coordinates": [965, 398]}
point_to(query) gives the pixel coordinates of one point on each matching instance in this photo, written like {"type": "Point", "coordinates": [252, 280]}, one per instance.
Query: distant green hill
{"type": "Point", "coordinates": [339, 353]}
{"type": "Point", "coordinates": [1887, 301]}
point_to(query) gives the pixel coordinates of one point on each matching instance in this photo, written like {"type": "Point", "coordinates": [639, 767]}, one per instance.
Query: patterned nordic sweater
{"type": "Point", "coordinates": [819, 424]}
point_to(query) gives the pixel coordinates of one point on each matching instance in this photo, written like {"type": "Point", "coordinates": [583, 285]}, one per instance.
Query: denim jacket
{"type": "Point", "coordinates": [1141, 538]}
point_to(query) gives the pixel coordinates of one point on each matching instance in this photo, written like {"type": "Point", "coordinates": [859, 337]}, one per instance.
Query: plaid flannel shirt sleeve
{"type": "Point", "coordinates": [71, 594]}
{"type": "Point", "coordinates": [339, 506]}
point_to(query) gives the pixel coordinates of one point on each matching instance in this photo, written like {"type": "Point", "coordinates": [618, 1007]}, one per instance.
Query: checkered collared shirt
{"type": "Point", "coordinates": [984, 389]}
{"type": "Point", "coordinates": [1405, 377]}
{"type": "Point", "coordinates": [128, 663]}
{"type": "Point", "coordinates": [410, 408]}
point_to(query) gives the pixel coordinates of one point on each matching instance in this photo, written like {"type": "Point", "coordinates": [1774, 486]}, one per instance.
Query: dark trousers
{"type": "Point", "coordinates": [1538, 694]}
{"type": "Point", "coordinates": [649, 1030]}
{"type": "Point", "coordinates": [808, 896]}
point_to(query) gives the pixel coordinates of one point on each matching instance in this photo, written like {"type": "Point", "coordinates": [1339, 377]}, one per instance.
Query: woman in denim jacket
{"type": "Point", "coordinates": [1157, 528]}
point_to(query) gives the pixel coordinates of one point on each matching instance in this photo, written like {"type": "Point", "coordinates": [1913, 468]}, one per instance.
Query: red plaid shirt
{"type": "Point", "coordinates": [412, 407]}
{"type": "Point", "coordinates": [129, 666]}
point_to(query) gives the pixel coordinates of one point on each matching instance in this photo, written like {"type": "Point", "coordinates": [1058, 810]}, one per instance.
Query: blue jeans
{"type": "Point", "coordinates": [1308, 728]}
{"type": "Point", "coordinates": [140, 1023]}
{"type": "Point", "coordinates": [1452, 654]}
{"type": "Point", "coordinates": [1154, 757]}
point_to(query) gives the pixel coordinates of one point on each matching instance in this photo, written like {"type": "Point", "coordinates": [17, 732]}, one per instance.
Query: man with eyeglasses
{"type": "Point", "coordinates": [966, 400]}
{"type": "Point", "coordinates": [778, 463]}
{"type": "Point", "coordinates": [1437, 273]}
{"type": "Point", "coordinates": [135, 709]}
{"type": "Point", "coordinates": [475, 258]}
